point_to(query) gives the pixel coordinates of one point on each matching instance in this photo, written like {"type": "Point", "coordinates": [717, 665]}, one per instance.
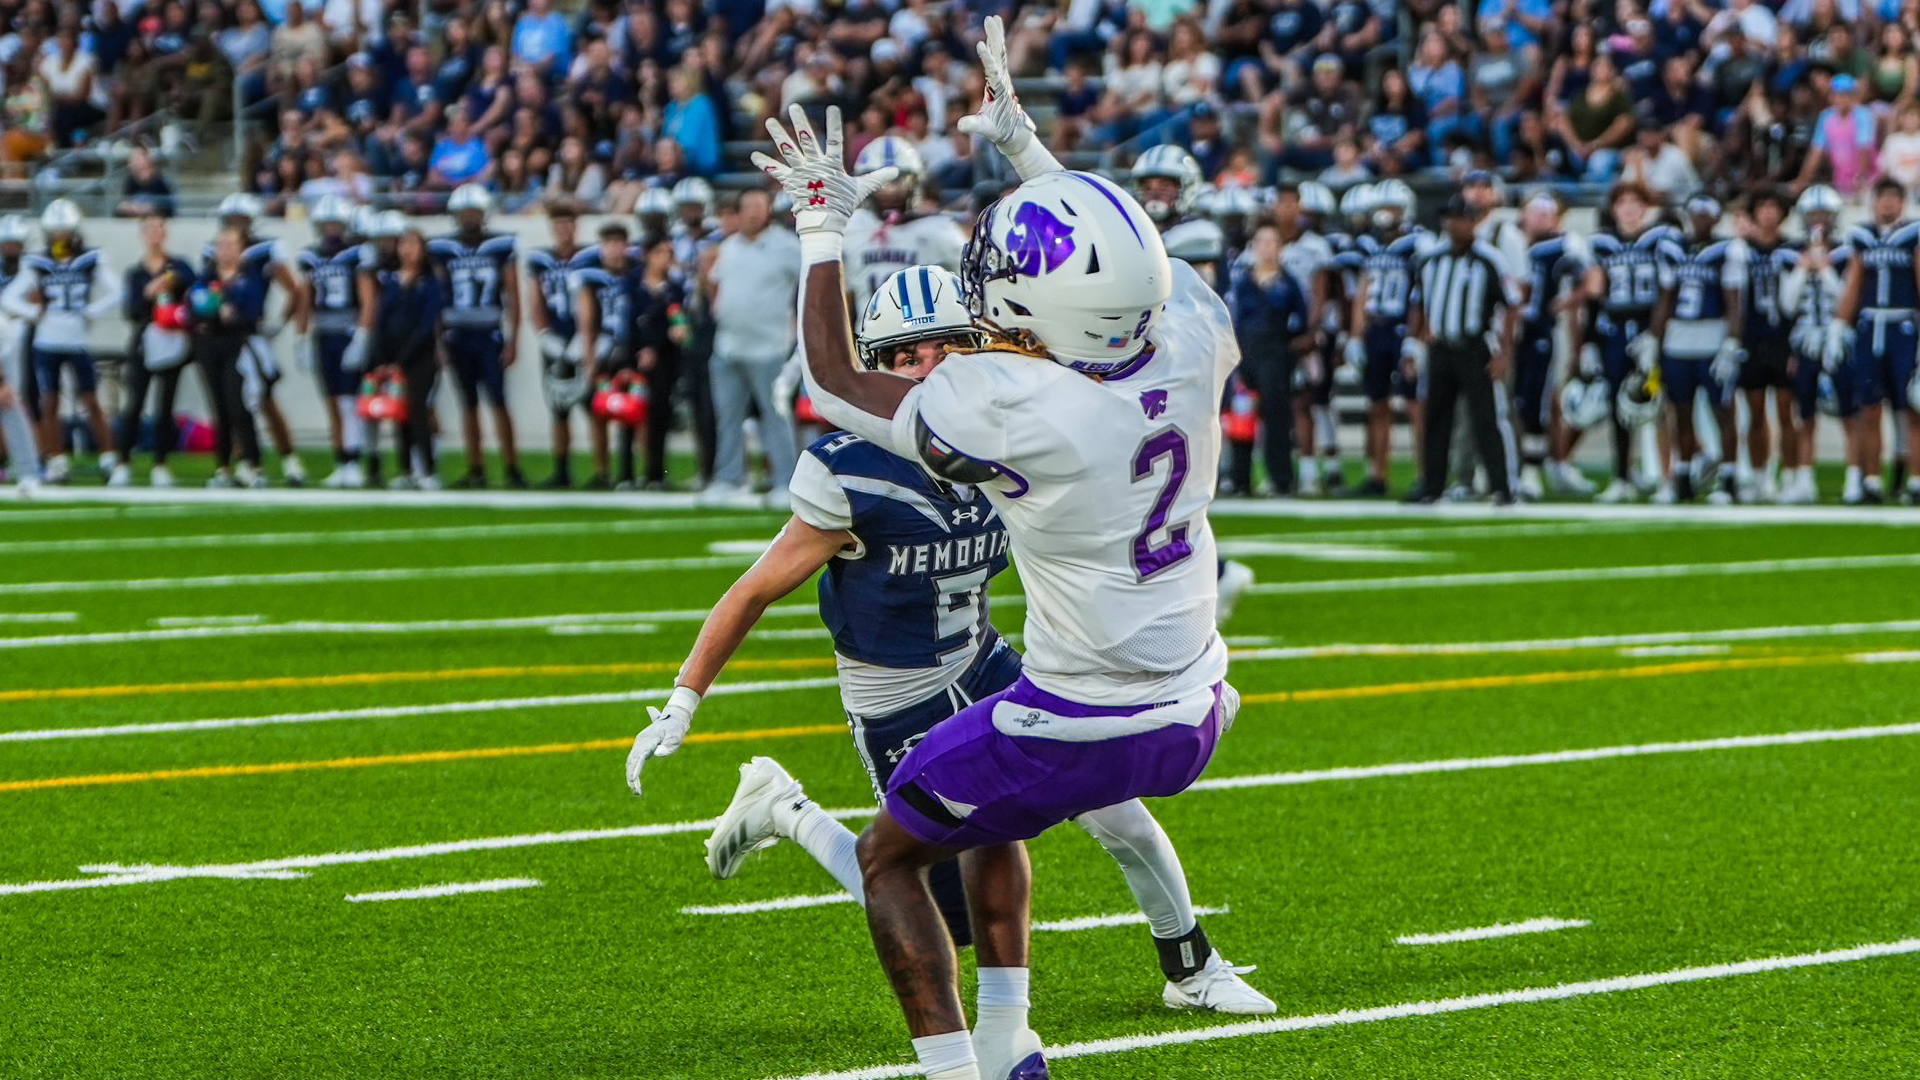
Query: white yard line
{"type": "Point", "coordinates": [175, 622]}
{"type": "Point", "coordinates": [1471, 1002]}
{"type": "Point", "coordinates": [1642, 651]}
{"type": "Point", "coordinates": [1498, 930]}
{"type": "Point", "coordinates": [11, 516]}
{"type": "Point", "coordinates": [778, 903]}
{"type": "Point", "coordinates": [372, 574]}
{"type": "Point", "coordinates": [200, 628]}
{"type": "Point", "coordinates": [39, 616]}
{"type": "Point", "coordinates": [460, 888]}
{"type": "Point", "coordinates": [190, 500]}
{"type": "Point", "coordinates": [1322, 551]}
{"type": "Point", "coordinates": [1590, 573]}
{"type": "Point", "coordinates": [1484, 531]}
{"type": "Point", "coordinates": [1102, 922]}
{"type": "Point", "coordinates": [596, 629]}
{"type": "Point", "coordinates": [110, 875]}
{"type": "Point", "coordinates": [326, 537]}
{"type": "Point", "coordinates": [1258, 648]}
{"type": "Point", "coordinates": [392, 712]}
{"type": "Point", "coordinates": [1900, 517]}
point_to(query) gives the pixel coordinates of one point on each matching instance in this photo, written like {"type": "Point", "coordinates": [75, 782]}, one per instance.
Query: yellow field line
{"type": "Point", "coordinates": [1332, 693]}
{"type": "Point", "coordinates": [378, 678]}
{"type": "Point", "coordinates": [1537, 678]}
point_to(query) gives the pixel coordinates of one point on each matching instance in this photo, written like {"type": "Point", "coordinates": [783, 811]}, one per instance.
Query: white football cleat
{"type": "Point", "coordinates": [1665, 496]}
{"type": "Point", "coordinates": [160, 477]}
{"type": "Point", "coordinates": [1235, 579]}
{"type": "Point", "coordinates": [1618, 492]}
{"type": "Point", "coordinates": [747, 824]}
{"type": "Point", "coordinates": [222, 478]}
{"type": "Point", "coordinates": [27, 487]}
{"type": "Point", "coordinates": [121, 476]}
{"type": "Point", "coordinates": [1219, 988]}
{"type": "Point", "coordinates": [427, 482]}
{"type": "Point", "coordinates": [59, 469]}
{"type": "Point", "coordinates": [1531, 488]}
{"type": "Point", "coordinates": [293, 471]}
{"type": "Point", "coordinates": [1010, 1056]}
{"type": "Point", "coordinates": [1566, 479]}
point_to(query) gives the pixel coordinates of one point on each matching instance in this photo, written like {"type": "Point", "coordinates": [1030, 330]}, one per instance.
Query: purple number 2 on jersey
{"type": "Point", "coordinates": [1149, 560]}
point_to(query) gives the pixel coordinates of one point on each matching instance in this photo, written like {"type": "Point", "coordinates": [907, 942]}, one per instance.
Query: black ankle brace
{"type": "Point", "coordinates": [1183, 957]}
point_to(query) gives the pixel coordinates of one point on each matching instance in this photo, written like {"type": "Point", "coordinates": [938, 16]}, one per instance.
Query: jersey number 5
{"type": "Point", "coordinates": [1150, 558]}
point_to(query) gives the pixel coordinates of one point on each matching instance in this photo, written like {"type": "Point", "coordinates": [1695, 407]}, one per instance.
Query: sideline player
{"type": "Point", "coordinates": [1379, 345]}
{"type": "Point", "coordinates": [1769, 366]}
{"type": "Point", "coordinates": [1810, 290]}
{"type": "Point", "coordinates": [908, 559]}
{"type": "Point", "coordinates": [1556, 261]}
{"type": "Point", "coordinates": [1123, 695]}
{"type": "Point", "coordinates": [1625, 280]}
{"type": "Point", "coordinates": [894, 234]}
{"type": "Point", "coordinates": [329, 321]}
{"type": "Point", "coordinates": [1697, 322]}
{"type": "Point", "coordinates": [563, 374]}
{"type": "Point", "coordinates": [17, 434]}
{"type": "Point", "coordinates": [1880, 305]}
{"type": "Point", "coordinates": [483, 290]}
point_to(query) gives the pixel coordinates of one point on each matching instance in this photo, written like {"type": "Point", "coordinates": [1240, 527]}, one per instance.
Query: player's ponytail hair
{"type": "Point", "coordinates": [998, 341]}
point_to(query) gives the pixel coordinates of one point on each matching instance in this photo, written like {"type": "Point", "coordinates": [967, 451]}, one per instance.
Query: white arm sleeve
{"type": "Point", "coordinates": [106, 290]}
{"type": "Point", "coordinates": [818, 498]}
{"type": "Point", "coordinates": [14, 300]}
{"type": "Point", "coordinates": [1791, 283]}
{"type": "Point", "coordinates": [958, 405]}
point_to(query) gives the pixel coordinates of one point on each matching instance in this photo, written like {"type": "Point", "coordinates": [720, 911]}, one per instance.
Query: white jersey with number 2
{"type": "Point", "coordinates": [1105, 493]}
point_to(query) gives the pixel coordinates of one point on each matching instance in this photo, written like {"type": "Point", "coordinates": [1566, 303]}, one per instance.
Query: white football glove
{"type": "Point", "coordinates": [1837, 347]}
{"type": "Point", "coordinates": [354, 356]}
{"type": "Point", "coordinates": [664, 735]}
{"type": "Point", "coordinates": [1591, 365]}
{"type": "Point", "coordinates": [824, 195]}
{"type": "Point", "coordinates": [1414, 351]}
{"type": "Point", "coordinates": [786, 386]}
{"type": "Point", "coordinates": [1727, 362]}
{"type": "Point", "coordinates": [1645, 350]}
{"type": "Point", "coordinates": [1356, 353]}
{"type": "Point", "coordinates": [553, 347]}
{"type": "Point", "coordinates": [1001, 121]}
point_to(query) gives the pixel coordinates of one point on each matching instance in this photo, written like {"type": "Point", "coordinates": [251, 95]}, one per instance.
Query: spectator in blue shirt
{"type": "Point", "coordinates": [692, 122]}
{"type": "Point", "coordinates": [542, 38]}
{"type": "Point", "coordinates": [460, 156]}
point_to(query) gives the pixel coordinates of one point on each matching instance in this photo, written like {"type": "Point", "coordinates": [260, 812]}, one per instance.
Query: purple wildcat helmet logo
{"type": "Point", "coordinates": [1039, 243]}
{"type": "Point", "coordinates": [1153, 403]}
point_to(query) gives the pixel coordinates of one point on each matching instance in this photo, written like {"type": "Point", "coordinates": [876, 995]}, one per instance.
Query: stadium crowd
{"type": "Point", "coordinates": [1273, 108]}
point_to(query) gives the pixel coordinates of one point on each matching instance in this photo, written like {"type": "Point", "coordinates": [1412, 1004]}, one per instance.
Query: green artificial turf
{"type": "Point", "coordinates": [1676, 860]}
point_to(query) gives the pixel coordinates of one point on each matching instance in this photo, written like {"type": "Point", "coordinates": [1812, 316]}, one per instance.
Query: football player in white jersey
{"type": "Point", "coordinates": [894, 234]}
{"type": "Point", "coordinates": [1091, 424]}
{"type": "Point", "coordinates": [1168, 183]}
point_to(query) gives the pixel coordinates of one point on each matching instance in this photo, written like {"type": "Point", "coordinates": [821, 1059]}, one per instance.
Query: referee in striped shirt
{"type": "Point", "coordinates": [1462, 297]}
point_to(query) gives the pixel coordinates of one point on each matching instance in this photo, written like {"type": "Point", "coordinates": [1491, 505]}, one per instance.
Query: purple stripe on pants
{"type": "Point", "coordinates": [1020, 786]}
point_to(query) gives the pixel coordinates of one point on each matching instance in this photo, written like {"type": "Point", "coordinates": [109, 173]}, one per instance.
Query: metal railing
{"type": "Point", "coordinates": [54, 179]}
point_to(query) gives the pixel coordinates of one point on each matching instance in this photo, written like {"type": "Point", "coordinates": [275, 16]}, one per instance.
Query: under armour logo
{"type": "Point", "coordinates": [966, 514]}
{"type": "Point", "coordinates": [1153, 403]}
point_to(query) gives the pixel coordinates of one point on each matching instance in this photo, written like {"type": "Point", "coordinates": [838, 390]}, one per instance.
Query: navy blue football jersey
{"type": "Point", "coordinates": [913, 594]}
{"type": "Point", "coordinates": [555, 277]}
{"type": "Point", "coordinates": [1389, 272]}
{"type": "Point", "coordinates": [1765, 267]}
{"type": "Point", "coordinates": [1701, 276]}
{"type": "Point", "coordinates": [1885, 254]}
{"type": "Point", "coordinates": [336, 296]}
{"type": "Point", "coordinates": [1633, 267]}
{"type": "Point", "coordinates": [475, 277]}
{"type": "Point", "coordinates": [256, 262]}
{"type": "Point", "coordinates": [66, 284]}
{"type": "Point", "coordinates": [1553, 264]}
{"type": "Point", "coordinates": [617, 294]}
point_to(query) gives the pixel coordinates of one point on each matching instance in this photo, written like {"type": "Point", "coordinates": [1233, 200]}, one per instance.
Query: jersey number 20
{"type": "Point", "coordinates": [1150, 558]}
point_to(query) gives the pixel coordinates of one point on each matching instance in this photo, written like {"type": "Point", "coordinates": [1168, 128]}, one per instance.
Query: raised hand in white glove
{"type": "Point", "coordinates": [354, 356]}
{"type": "Point", "coordinates": [1727, 362]}
{"type": "Point", "coordinates": [1356, 353]}
{"type": "Point", "coordinates": [815, 175]}
{"type": "Point", "coordinates": [1001, 121]}
{"type": "Point", "coordinates": [786, 386]}
{"type": "Point", "coordinates": [1413, 353]}
{"type": "Point", "coordinates": [1591, 366]}
{"type": "Point", "coordinates": [1645, 350]}
{"type": "Point", "coordinates": [664, 735]}
{"type": "Point", "coordinates": [1837, 346]}
{"type": "Point", "coordinates": [553, 347]}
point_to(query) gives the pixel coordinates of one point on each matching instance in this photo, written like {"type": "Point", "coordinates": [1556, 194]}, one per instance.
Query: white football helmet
{"type": "Point", "coordinates": [1818, 199]}
{"type": "Point", "coordinates": [240, 205]}
{"type": "Point", "coordinates": [1394, 195]}
{"type": "Point", "coordinates": [694, 191]}
{"type": "Point", "coordinates": [1317, 199]}
{"type": "Point", "coordinates": [1583, 402]}
{"type": "Point", "coordinates": [914, 304]}
{"type": "Point", "coordinates": [1357, 201]}
{"type": "Point", "coordinates": [388, 224]}
{"type": "Point", "coordinates": [61, 215]}
{"type": "Point", "coordinates": [332, 210]}
{"type": "Point", "coordinates": [1174, 163]}
{"type": "Point", "coordinates": [655, 200]}
{"type": "Point", "coordinates": [891, 150]}
{"type": "Point", "coordinates": [14, 230]}
{"type": "Point", "coordinates": [362, 222]}
{"type": "Point", "coordinates": [470, 197]}
{"type": "Point", "coordinates": [1072, 259]}
{"type": "Point", "coordinates": [1234, 202]}
{"type": "Point", "coordinates": [1639, 403]}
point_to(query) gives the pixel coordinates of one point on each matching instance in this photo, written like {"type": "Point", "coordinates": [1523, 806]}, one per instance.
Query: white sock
{"type": "Point", "coordinates": [1872, 482]}
{"type": "Point", "coordinates": [947, 1057]}
{"type": "Point", "coordinates": [1003, 1003]}
{"type": "Point", "coordinates": [830, 843]}
{"type": "Point", "coordinates": [1152, 868]}
{"type": "Point", "coordinates": [352, 428]}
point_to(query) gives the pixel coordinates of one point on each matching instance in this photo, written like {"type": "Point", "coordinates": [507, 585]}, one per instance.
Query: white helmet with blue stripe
{"type": "Point", "coordinates": [470, 197]}
{"type": "Point", "coordinates": [1357, 201]}
{"type": "Point", "coordinates": [61, 215]}
{"type": "Point", "coordinates": [1818, 199]}
{"type": "Point", "coordinates": [14, 230]}
{"type": "Point", "coordinates": [332, 210]}
{"type": "Point", "coordinates": [891, 150]}
{"type": "Point", "coordinates": [655, 200]}
{"type": "Point", "coordinates": [1234, 202]}
{"type": "Point", "coordinates": [1317, 199]}
{"type": "Point", "coordinates": [387, 224]}
{"type": "Point", "coordinates": [240, 205]}
{"type": "Point", "coordinates": [915, 304]}
{"type": "Point", "coordinates": [1173, 163]}
{"type": "Point", "coordinates": [1072, 260]}
{"type": "Point", "coordinates": [1394, 195]}
{"type": "Point", "coordinates": [694, 191]}
{"type": "Point", "coordinates": [363, 221]}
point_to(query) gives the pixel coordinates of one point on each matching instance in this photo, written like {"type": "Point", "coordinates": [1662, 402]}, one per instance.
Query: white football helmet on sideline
{"type": "Point", "coordinates": [890, 150]}
{"type": "Point", "coordinates": [1393, 195]}
{"type": "Point", "coordinates": [468, 197]}
{"type": "Point", "coordinates": [14, 230]}
{"type": "Point", "coordinates": [61, 215]}
{"type": "Point", "coordinates": [388, 224]}
{"type": "Point", "coordinates": [240, 205]}
{"type": "Point", "coordinates": [363, 221]}
{"type": "Point", "coordinates": [1356, 203]}
{"type": "Point", "coordinates": [915, 304]}
{"type": "Point", "coordinates": [332, 210]}
{"type": "Point", "coordinates": [1317, 199]}
{"type": "Point", "coordinates": [1818, 199]}
{"type": "Point", "coordinates": [1234, 202]}
{"type": "Point", "coordinates": [655, 201]}
{"type": "Point", "coordinates": [1584, 402]}
{"type": "Point", "coordinates": [1172, 163]}
{"type": "Point", "coordinates": [694, 191]}
{"type": "Point", "coordinates": [1072, 259]}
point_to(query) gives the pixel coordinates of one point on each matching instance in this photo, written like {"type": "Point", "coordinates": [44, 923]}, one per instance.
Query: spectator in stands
{"type": "Point", "coordinates": [459, 156]}
{"type": "Point", "coordinates": [575, 175]}
{"type": "Point", "coordinates": [1900, 153]}
{"type": "Point", "coordinates": [1573, 69]}
{"type": "Point", "coordinates": [1655, 163]}
{"type": "Point", "coordinates": [518, 189]}
{"type": "Point", "coordinates": [1843, 140]}
{"type": "Point", "coordinates": [542, 39]}
{"type": "Point", "coordinates": [692, 122]}
{"type": "Point", "coordinates": [1680, 106]}
{"type": "Point", "coordinates": [1191, 70]}
{"type": "Point", "coordinates": [1204, 138]}
{"type": "Point", "coordinates": [246, 45]}
{"type": "Point", "coordinates": [1396, 126]}
{"type": "Point", "coordinates": [1440, 84]}
{"type": "Point", "coordinates": [1131, 102]}
{"type": "Point", "coordinates": [145, 192]}
{"type": "Point", "coordinates": [67, 74]}
{"type": "Point", "coordinates": [1598, 124]}
{"type": "Point", "coordinates": [489, 97]}
{"type": "Point", "coordinates": [1502, 82]}
{"type": "Point", "coordinates": [1075, 103]}
{"type": "Point", "coordinates": [1326, 112]}
{"type": "Point", "coordinates": [755, 279]}
{"type": "Point", "coordinates": [1896, 71]}
{"type": "Point", "coordinates": [294, 40]}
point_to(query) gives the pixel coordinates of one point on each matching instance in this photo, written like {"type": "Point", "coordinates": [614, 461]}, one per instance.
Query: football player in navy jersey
{"type": "Point", "coordinates": [1765, 335]}
{"type": "Point", "coordinates": [483, 294]}
{"type": "Point", "coordinates": [330, 321]}
{"type": "Point", "coordinates": [18, 436]}
{"type": "Point", "coordinates": [908, 557]}
{"type": "Point", "coordinates": [1556, 262]}
{"type": "Point", "coordinates": [1810, 291]}
{"type": "Point", "coordinates": [607, 281]}
{"type": "Point", "coordinates": [563, 377]}
{"type": "Point", "coordinates": [1625, 283]}
{"type": "Point", "coordinates": [1881, 303]}
{"type": "Point", "coordinates": [1378, 344]}
{"type": "Point", "coordinates": [1697, 322]}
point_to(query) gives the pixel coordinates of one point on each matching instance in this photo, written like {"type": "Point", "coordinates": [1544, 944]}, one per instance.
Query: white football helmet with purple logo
{"type": "Point", "coordinates": [1072, 259]}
